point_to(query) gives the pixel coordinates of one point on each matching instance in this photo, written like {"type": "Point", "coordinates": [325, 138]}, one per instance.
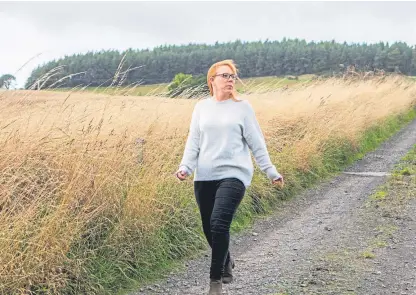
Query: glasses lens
{"type": "Point", "coordinates": [228, 76]}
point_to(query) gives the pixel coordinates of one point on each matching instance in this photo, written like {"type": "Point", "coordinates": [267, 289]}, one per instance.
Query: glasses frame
{"type": "Point", "coordinates": [227, 76]}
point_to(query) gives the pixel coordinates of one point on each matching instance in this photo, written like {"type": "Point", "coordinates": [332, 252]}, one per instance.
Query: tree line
{"type": "Point", "coordinates": [254, 59]}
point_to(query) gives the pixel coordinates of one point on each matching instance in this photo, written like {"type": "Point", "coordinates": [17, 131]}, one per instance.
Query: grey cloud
{"type": "Point", "coordinates": [182, 21]}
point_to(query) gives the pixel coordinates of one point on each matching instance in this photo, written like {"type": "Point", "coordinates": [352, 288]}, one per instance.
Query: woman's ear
{"type": "Point", "coordinates": [211, 80]}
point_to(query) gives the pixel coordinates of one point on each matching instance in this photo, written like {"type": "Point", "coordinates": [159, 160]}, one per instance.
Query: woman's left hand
{"type": "Point", "coordinates": [279, 182]}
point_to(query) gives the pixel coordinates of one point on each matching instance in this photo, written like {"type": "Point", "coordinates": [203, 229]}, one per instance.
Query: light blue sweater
{"type": "Point", "coordinates": [220, 138]}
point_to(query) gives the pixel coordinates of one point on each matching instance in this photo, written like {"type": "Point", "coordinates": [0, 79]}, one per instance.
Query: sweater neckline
{"type": "Point", "coordinates": [220, 101]}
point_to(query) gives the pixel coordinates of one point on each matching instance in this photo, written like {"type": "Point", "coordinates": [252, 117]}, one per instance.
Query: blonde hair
{"type": "Point", "coordinates": [213, 71]}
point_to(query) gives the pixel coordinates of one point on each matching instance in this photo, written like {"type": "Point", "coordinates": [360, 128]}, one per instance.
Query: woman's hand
{"type": "Point", "coordinates": [279, 182]}
{"type": "Point", "coordinates": [181, 175]}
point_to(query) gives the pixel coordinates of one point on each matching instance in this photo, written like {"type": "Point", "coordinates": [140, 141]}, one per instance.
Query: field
{"type": "Point", "coordinates": [88, 201]}
{"type": "Point", "coordinates": [257, 85]}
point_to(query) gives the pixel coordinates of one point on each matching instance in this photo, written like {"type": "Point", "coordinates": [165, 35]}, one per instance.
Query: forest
{"type": "Point", "coordinates": [254, 59]}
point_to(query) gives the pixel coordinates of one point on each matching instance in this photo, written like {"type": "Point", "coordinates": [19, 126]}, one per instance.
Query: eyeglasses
{"type": "Point", "coordinates": [227, 76]}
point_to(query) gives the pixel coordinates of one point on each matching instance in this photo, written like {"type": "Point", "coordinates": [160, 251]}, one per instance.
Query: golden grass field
{"type": "Point", "coordinates": [83, 174]}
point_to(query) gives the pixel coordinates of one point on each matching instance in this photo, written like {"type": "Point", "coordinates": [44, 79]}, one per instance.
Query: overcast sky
{"type": "Point", "coordinates": [54, 29]}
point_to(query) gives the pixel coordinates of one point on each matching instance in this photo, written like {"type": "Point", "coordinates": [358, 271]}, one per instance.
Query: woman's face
{"type": "Point", "coordinates": [224, 80]}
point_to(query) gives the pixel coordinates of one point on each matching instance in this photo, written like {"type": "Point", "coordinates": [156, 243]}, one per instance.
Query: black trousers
{"type": "Point", "coordinates": [218, 201]}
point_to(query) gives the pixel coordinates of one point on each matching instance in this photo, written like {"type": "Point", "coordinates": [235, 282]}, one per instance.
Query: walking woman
{"type": "Point", "coordinates": [222, 132]}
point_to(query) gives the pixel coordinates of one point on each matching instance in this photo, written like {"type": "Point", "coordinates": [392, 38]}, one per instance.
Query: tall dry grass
{"type": "Point", "coordinates": [87, 194]}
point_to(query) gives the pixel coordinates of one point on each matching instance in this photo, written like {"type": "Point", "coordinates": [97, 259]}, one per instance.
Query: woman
{"type": "Point", "coordinates": [223, 130]}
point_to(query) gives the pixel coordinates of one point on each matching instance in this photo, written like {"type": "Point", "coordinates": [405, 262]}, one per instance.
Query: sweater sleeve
{"type": "Point", "coordinates": [256, 142]}
{"type": "Point", "coordinates": [191, 152]}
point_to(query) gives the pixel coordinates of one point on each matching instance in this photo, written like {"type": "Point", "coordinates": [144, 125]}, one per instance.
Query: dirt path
{"type": "Point", "coordinates": [321, 242]}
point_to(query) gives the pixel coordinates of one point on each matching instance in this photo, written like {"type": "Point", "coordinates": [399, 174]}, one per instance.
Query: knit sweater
{"type": "Point", "coordinates": [220, 138]}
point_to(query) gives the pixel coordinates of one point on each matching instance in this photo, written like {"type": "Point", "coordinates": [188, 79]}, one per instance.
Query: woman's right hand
{"type": "Point", "coordinates": [279, 182]}
{"type": "Point", "coordinates": [181, 175]}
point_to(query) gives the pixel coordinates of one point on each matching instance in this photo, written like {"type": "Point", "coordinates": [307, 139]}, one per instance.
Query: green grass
{"type": "Point", "coordinates": [380, 195]}
{"type": "Point", "coordinates": [368, 255]}
{"type": "Point", "coordinates": [140, 90]}
{"type": "Point", "coordinates": [259, 84]}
